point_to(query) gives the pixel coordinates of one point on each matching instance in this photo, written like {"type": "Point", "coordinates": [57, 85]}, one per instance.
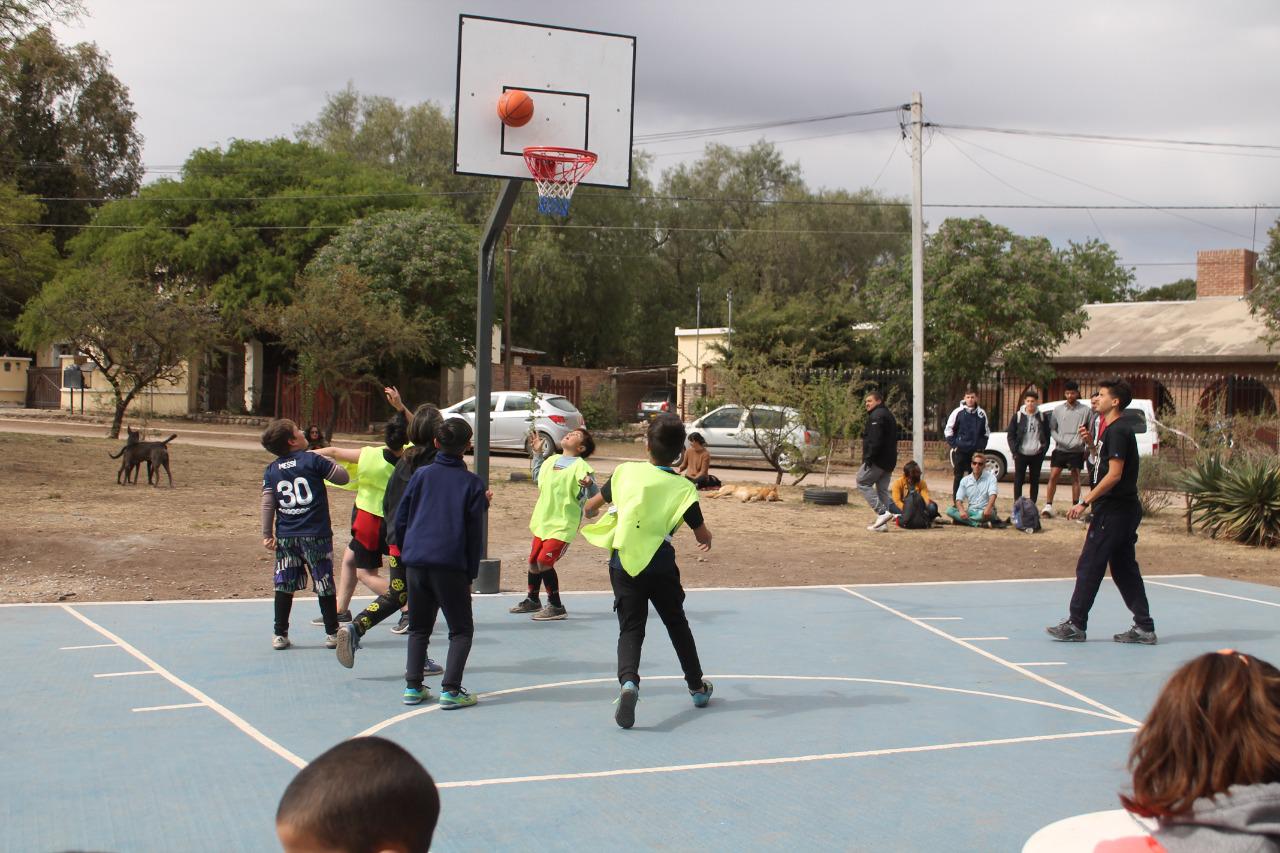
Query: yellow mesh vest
{"type": "Point", "coordinates": [557, 512]}
{"type": "Point", "coordinates": [374, 474]}
{"type": "Point", "coordinates": [648, 503]}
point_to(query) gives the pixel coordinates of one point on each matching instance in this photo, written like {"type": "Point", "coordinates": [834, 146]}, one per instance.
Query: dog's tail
{"type": "Point", "coordinates": [117, 454]}
{"type": "Point", "coordinates": [170, 438]}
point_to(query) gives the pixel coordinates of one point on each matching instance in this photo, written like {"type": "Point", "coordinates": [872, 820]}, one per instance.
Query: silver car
{"type": "Point", "coordinates": [728, 430]}
{"type": "Point", "coordinates": [512, 414]}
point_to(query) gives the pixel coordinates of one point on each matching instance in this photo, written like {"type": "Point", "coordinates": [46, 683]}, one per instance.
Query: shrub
{"type": "Point", "coordinates": [1239, 500]}
{"type": "Point", "coordinates": [701, 405]}
{"type": "Point", "coordinates": [1156, 480]}
{"type": "Point", "coordinates": [600, 410]}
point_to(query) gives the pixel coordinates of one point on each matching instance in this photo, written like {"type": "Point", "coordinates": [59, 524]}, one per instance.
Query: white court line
{"type": "Point", "coordinates": [609, 592]}
{"type": "Point", "coordinates": [791, 759]}
{"type": "Point", "coordinates": [399, 718]}
{"type": "Point", "coordinates": [1041, 663]}
{"type": "Point", "coordinates": [94, 646]}
{"type": "Point", "coordinates": [1116, 715]}
{"type": "Point", "coordinates": [119, 674]}
{"type": "Point", "coordinates": [977, 639]}
{"type": "Point", "coordinates": [170, 707]}
{"type": "Point", "coordinates": [227, 714]}
{"type": "Point", "coordinates": [1219, 594]}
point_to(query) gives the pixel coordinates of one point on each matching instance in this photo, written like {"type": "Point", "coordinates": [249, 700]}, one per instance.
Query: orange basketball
{"type": "Point", "coordinates": [515, 108]}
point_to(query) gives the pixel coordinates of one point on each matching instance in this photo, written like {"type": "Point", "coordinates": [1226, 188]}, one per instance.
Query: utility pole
{"type": "Point", "coordinates": [917, 281]}
{"type": "Point", "coordinates": [506, 317]}
{"type": "Point", "coordinates": [729, 296]}
{"type": "Point", "coordinates": [697, 336]}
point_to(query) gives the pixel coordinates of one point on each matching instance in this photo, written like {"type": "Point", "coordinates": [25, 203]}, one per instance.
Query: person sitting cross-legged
{"type": "Point", "coordinates": [975, 504]}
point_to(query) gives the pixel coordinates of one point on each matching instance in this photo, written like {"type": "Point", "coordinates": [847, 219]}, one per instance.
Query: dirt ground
{"type": "Point", "coordinates": [73, 534]}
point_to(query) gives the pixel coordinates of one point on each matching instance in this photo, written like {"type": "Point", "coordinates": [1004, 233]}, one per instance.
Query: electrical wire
{"type": "Point", "coordinates": [673, 135]}
{"type": "Point", "coordinates": [1103, 137]}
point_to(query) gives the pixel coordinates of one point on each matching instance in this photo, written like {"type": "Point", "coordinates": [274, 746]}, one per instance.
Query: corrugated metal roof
{"type": "Point", "coordinates": [1201, 330]}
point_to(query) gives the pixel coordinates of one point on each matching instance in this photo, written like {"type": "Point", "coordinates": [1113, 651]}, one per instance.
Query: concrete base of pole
{"type": "Point", "coordinates": [489, 580]}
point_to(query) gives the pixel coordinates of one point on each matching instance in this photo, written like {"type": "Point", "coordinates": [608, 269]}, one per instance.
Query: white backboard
{"type": "Point", "coordinates": [581, 83]}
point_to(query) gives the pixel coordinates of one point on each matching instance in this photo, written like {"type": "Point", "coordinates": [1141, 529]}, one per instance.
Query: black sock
{"type": "Point", "coordinates": [329, 610]}
{"type": "Point", "coordinates": [284, 604]}
{"type": "Point", "coordinates": [552, 580]}
{"type": "Point", "coordinates": [535, 580]}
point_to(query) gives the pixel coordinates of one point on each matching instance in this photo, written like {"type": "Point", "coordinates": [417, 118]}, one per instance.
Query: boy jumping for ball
{"type": "Point", "coordinates": [295, 524]}
{"type": "Point", "coordinates": [650, 500]}
{"type": "Point", "coordinates": [565, 481]}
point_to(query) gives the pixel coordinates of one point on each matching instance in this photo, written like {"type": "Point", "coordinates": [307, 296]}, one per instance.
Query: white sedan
{"type": "Point", "coordinates": [1001, 460]}
{"type": "Point", "coordinates": [728, 432]}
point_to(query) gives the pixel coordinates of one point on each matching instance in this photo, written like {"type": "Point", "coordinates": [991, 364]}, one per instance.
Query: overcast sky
{"type": "Point", "coordinates": [201, 74]}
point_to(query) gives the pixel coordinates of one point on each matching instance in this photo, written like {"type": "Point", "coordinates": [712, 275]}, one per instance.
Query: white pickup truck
{"type": "Point", "coordinates": [1000, 459]}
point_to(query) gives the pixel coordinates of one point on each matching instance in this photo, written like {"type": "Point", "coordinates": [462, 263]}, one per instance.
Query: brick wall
{"type": "Point", "coordinates": [1224, 272]}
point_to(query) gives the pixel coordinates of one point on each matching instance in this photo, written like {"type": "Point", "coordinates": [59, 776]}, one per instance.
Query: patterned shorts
{"type": "Point", "coordinates": [296, 555]}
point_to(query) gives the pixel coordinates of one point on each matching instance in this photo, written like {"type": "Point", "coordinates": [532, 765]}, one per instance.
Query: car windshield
{"type": "Point", "coordinates": [561, 403]}
{"type": "Point", "coordinates": [656, 397]}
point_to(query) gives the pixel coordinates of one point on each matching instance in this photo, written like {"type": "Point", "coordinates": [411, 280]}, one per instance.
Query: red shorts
{"type": "Point", "coordinates": [545, 552]}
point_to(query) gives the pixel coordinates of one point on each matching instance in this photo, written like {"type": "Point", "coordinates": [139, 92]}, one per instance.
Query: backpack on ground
{"type": "Point", "coordinates": [1025, 515]}
{"type": "Point", "coordinates": [915, 515]}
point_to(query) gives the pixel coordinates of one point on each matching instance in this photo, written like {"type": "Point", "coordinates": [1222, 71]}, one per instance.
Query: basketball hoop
{"type": "Point", "coordinates": [556, 172]}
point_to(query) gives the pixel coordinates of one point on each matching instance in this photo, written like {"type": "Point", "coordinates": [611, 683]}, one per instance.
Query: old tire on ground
{"type": "Point", "coordinates": [826, 497]}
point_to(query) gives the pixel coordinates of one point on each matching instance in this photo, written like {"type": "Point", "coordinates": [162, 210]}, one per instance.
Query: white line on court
{"type": "Point", "coordinates": [978, 639]}
{"type": "Point", "coordinates": [170, 707]}
{"type": "Point", "coordinates": [1115, 715]}
{"type": "Point", "coordinates": [399, 718]}
{"type": "Point", "coordinates": [608, 592]}
{"type": "Point", "coordinates": [1219, 594]}
{"type": "Point", "coordinates": [119, 674]}
{"type": "Point", "coordinates": [227, 714]}
{"type": "Point", "coordinates": [94, 646]}
{"type": "Point", "coordinates": [791, 759]}
{"type": "Point", "coordinates": [1041, 663]}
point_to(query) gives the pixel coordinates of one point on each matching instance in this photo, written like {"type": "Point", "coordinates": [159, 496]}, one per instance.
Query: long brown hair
{"type": "Point", "coordinates": [1215, 724]}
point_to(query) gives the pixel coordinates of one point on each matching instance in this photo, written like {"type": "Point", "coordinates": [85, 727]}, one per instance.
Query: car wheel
{"type": "Point", "coordinates": [826, 497]}
{"type": "Point", "coordinates": [996, 463]}
{"type": "Point", "coordinates": [548, 444]}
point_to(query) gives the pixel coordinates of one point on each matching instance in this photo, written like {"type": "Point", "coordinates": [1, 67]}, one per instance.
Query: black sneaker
{"type": "Point", "coordinates": [401, 627]}
{"type": "Point", "coordinates": [1136, 635]}
{"type": "Point", "coordinates": [625, 715]}
{"type": "Point", "coordinates": [527, 606]}
{"type": "Point", "coordinates": [344, 616]}
{"type": "Point", "coordinates": [1066, 632]}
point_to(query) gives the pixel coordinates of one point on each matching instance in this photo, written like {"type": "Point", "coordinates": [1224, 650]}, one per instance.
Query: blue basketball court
{"type": "Point", "coordinates": [912, 716]}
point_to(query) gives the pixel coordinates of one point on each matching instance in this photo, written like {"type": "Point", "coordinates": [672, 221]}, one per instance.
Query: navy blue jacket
{"type": "Point", "coordinates": [441, 517]}
{"type": "Point", "coordinates": [968, 430]}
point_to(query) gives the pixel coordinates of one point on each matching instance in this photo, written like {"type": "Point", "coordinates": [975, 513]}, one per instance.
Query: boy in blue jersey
{"type": "Point", "coordinates": [441, 520]}
{"type": "Point", "coordinates": [295, 524]}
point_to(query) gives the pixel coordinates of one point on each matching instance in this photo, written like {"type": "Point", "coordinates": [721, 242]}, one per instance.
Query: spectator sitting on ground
{"type": "Point", "coordinates": [912, 480]}
{"type": "Point", "coordinates": [364, 794]}
{"type": "Point", "coordinates": [1206, 763]}
{"type": "Point", "coordinates": [695, 464]}
{"type": "Point", "coordinates": [315, 438]}
{"type": "Point", "coordinates": [975, 504]}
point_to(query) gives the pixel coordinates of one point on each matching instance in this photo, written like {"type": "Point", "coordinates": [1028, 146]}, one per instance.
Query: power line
{"type": "Point", "coordinates": [341, 226]}
{"type": "Point", "coordinates": [1102, 137]}
{"type": "Point", "coordinates": [673, 135]}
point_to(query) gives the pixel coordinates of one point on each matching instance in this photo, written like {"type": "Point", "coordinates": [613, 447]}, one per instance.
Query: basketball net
{"type": "Point", "coordinates": [556, 173]}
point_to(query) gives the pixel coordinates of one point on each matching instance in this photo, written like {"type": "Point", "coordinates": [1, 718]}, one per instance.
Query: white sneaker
{"type": "Point", "coordinates": [881, 520]}
{"type": "Point", "coordinates": [1047, 512]}
{"type": "Point", "coordinates": [331, 641]}
{"type": "Point", "coordinates": [280, 642]}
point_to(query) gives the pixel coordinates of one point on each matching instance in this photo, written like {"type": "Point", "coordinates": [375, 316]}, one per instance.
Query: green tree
{"type": "Point", "coordinates": [341, 332]}
{"type": "Point", "coordinates": [422, 262]}
{"type": "Point", "coordinates": [134, 332]}
{"type": "Point", "coordinates": [752, 379]}
{"type": "Point", "coordinates": [27, 258]}
{"type": "Point", "coordinates": [1264, 299]}
{"type": "Point", "coordinates": [1099, 269]}
{"type": "Point", "coordinates": [989, 295]}
{"type": "Point", "coordinates": [1175, 291]}
{"type": "Point", "coordinates": [20, 16]}
{"type": "Point", "coordinates": [66, 127]}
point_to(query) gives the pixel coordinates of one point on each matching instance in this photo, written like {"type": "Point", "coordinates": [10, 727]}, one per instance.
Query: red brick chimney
{"type": "Point", "coordinates": [1224, 272]}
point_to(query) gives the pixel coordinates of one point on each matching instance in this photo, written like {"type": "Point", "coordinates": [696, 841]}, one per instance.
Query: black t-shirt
{"type": "Point", "coordinates": [1119, 442]}
{"type": "Point", "coordinates": [692, 515]}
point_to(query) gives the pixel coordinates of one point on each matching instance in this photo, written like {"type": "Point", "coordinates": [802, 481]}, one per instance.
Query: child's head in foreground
{"type": "Point", "coordinates": [365, 795]}
{"type": "Point", "coordinates": [282, 437]}
{"type": "Point", "coordinates": [1215, 724]}
{"type": "Point", "coordinates": [665, 439]}
{"type": "Point", "coordinates": [579, 443]}
{"type": "Point", "coordinates": [453, 436]}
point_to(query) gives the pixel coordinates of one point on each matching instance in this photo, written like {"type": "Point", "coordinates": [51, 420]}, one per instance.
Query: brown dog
{"type": "Point", "coordinates": [748, 493]}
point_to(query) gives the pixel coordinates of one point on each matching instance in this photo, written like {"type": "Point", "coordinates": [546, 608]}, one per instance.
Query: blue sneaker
{"type": "Point", "coordinates": [453, 699]}
{"type": "Point", "coordinates": [432, 668]}
{"type": "Point", "coordinates": [625, 716]}
{"type": "Point", "coordinates": [703, 696]}
{"type": "Point", "coordinates": [415, 695]}
{"type": "Point", "coordinates": [348, 642]}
